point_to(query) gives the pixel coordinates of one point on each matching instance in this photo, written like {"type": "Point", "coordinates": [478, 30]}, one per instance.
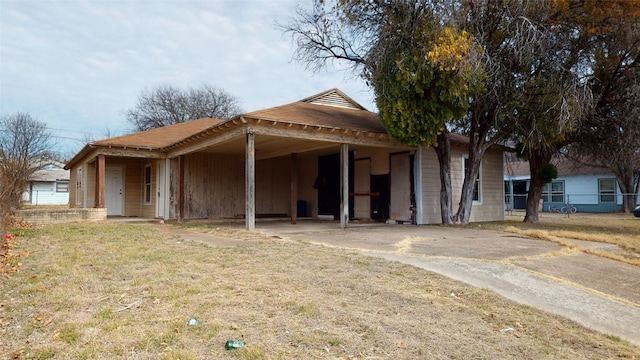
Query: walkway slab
{"type": "Point", "coordinates": [596, 312]}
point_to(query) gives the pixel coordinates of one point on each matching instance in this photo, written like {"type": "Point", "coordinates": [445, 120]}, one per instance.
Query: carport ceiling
{"type": "Point", "coordinates": [272, 146]}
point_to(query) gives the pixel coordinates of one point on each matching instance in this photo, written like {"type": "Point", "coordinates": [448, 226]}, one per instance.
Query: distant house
{"type": "Point", "coordinates": [323, 157]}
{"type": "Point", "coordinates": [589, 189]}
{"type": "Point", "coordinates": [48, 186]}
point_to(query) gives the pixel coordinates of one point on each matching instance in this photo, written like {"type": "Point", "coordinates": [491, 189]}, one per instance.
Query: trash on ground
{"type": "Point", "coordinates": [233, 344]}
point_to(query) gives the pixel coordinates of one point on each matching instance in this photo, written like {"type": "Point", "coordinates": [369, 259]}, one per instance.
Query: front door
{"type": "Point", "coordinates": [113, 190]}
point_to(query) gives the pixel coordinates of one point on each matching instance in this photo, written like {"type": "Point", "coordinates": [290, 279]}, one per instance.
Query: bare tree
{"type": "Point", "coordinates": [166, 105]}
{"type": "Point", "coordinates": [25, 147]}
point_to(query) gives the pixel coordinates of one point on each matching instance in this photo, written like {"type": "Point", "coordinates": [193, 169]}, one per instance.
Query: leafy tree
{"type": "Point", "coordinates": [166, 105]}
{"type": "Point", "coordinates": [610, 136]}
{"type": "Point", "coordinates": [25, 145]}
{"type": "Point", "coordinates": [489, 69]}
{"type": "Point", "coordinates": [423, 79]}
{"type": "Point", "coordinates": [419, 82]}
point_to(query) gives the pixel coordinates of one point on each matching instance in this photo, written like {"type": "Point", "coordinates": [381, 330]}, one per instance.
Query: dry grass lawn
{"type": "Point", "coordinates": [618, 229]}
{"type": "Point", "coordinates": [126, 291]}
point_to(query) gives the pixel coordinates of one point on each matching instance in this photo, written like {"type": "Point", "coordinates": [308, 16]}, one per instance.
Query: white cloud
{"type": "Point", "coordinates": [78, 65]}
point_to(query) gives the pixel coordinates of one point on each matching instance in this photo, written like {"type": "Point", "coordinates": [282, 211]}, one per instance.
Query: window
{"type": "Point", "coordinates": [147, 184]}
{"type": "Point", "coordinates": [478, 185]}
{"type": "Point", "coordinates": [607, 190]}
{"type": "Point", "coordinates": [553, 192]}
{"type": "Point", "coordinates": [62, 186]}
{"type": "Point", "coordinates": [79, 194]}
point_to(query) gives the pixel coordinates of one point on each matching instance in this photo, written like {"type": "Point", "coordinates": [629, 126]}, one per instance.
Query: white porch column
{"type": "Point", "coordinates": [344, 185]}
{"type": "Point", "coordinates": [417, 172]}
{"type": "Point", "coordinates": [250, 183]}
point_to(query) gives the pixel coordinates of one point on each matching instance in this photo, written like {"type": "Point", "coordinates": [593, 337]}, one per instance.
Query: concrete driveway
{"type": "Point", "coordinates": [598, 293]}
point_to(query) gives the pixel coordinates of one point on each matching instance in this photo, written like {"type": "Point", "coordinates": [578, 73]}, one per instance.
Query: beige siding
{"type": "Point", "coordinates": [132, 187]}
{"type": "Point", "coordinates": [72, 188]}
{"type": "Point", "coordinates": [491, 206]}
{"type": "Point", "coordinates": [379, 159]}
{"type": "Point", "coordinates": [430, 187]}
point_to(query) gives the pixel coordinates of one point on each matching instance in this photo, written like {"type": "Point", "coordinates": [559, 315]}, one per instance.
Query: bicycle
{"type": "Point", "coordinates": [566, 209]}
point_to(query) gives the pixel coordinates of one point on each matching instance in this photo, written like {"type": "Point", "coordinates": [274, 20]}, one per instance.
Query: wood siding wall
{"type": "Point", "coordinates": [491, 206]}
{"type": "Point", "coordinates": [133, 186]}
{"type": "Point", "coordinates": [273, 186]}
{"type": "Point", "coordinates": [213, 186]}
{"type": "Point", "coordinates": [72, 188]}
{"type": "Point", "coordinates": [307, 173]}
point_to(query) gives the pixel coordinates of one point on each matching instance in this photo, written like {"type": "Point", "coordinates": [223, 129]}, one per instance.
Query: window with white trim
{"type": "Point", "coordinates": [477, 187]}
{"type": "Point", "coordinates": [62, 186]}
{"type": "Point", "coordinates": [147, 184]}
{"type": "Point", "coordinates": [553, 192]}
{"type": "Point", "coordinates": [607, 190]}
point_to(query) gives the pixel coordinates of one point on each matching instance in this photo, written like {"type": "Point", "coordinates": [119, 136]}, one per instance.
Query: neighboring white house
{"type": "Point", "coordinates": [48, 186]}
{"type": "Point", "coordinates": [589, 189]}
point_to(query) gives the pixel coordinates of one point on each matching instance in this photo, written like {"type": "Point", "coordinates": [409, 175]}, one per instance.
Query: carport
{"type": "Point", "coordinates": [293, 138]}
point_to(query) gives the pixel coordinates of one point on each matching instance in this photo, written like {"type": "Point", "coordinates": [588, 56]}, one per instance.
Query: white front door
{"type": "Point", "coordinates": [160, 191]}
{"type": "Point", "coordinates": [113, 190]}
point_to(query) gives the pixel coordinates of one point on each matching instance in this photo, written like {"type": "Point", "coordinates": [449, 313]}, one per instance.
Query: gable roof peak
{"type": "Point", "coordinates": [333, 97]}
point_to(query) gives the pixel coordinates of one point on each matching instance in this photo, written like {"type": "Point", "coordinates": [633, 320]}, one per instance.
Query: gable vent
{"type": "Point", "coordinates": [334, 98]}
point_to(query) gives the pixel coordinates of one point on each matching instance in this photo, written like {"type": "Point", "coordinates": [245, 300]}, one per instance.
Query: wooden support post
{"type": "Point", "coordinates": [100, 179]}
{"type": "Point", "coordinates": [294, 188]}
{"type": "Point", "coordinates": [180, 188]}
{"type": "Point", "coordinates": [344, 185]}
{"type": "Point", "coordinates": [250, 183]}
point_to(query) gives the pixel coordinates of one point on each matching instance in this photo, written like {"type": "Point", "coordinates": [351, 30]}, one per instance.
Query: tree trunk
{"type": "Point", "coordinates": [443, 151]}
{"type": "Point", "coordinates": [628, 186]}
{"type": "Point", "coordinates": [537, 159]}
{"type": "Point", "coordinates": [471, 174]}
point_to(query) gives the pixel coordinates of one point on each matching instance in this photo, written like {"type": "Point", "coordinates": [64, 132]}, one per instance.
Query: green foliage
{"type": "Point", "coordinates": [424, 81]}
{"type": "Point", "coordinates": [547, 173]}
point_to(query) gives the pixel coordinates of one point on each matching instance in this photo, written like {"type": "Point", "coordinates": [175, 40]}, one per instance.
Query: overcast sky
{"type": "Point", "coordinates": [79, 65]}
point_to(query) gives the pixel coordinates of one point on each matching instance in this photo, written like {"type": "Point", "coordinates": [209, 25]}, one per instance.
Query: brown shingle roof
{"type": "Point", "coordinates": [322, 115]}
{"type": "Point", "coordinates": [565, 167]}
{"type": "Point", "coordinates": [160, 137]}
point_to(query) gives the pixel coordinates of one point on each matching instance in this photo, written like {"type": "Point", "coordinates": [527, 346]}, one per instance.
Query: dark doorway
{"type": "Point", "coordinates": [380, 203]}
{"type": "Point", "coordinates": [328, 185]}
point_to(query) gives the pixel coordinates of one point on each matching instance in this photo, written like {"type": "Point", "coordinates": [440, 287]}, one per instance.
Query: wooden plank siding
{"type": "Point", "coordinates": [133, 186]}
{"type": "Point", "coordinates": [307, 173]}
{"type": "Point", "coordinates": [273, 186]}
{"type": "Point", "coordinates": [213, 186]}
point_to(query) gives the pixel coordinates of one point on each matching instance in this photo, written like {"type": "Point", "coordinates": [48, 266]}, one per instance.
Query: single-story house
{"type": "Point", "coordinates": [590, 189]}
{"type": "Point", "coordinates": [48, 186]}
{"type": "Point", "coordinates": [323, 157]}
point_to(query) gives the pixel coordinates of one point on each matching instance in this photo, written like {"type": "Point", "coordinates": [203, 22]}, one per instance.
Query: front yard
{"type": "Point", "coordinates": [126, 291]}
